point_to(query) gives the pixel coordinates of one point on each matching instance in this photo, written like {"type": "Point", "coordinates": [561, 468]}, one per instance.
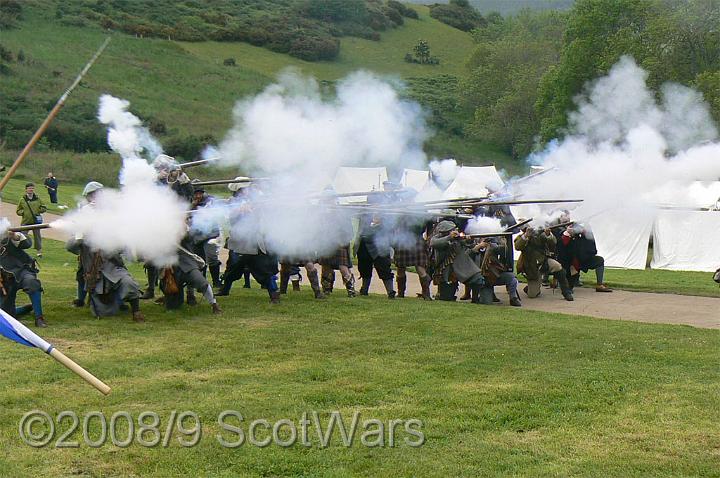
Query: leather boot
{"type": "Point", "coordinates": [275, 297]}
{"type": "Point", "coordinates": [562, 280]}
{"type": "Point", "coordinates": [350, 286]}
{"type": "Point", "coordinates": [216, 308]}
{"type": "Point", "coordinates": [425, 286]}
{"type": "Point", "coordinates": [401, 286]}
{"type": "Point", "coordinates": [515, 301]}
{"type": "Point", "coordinates": [388, 283]}
{"type": "Point", "coordinates": [474, 294]}
{"type": "Point", "coordinates": [40, 321]}
{"type": "Point", "coordinates": [296, 285]}
{"type": "Point", "coordinates": [365, 287]}
{"type": "Point", "coordinates": [215, 274]}
{"type": "Point", "coordinates": [138, 317]}
{"type": "Point", "coordinates": [284, 280]}
{"type": "Point", "coordinates": [190, 298]}
{"type": "Point", "coordinates": [315, 284]}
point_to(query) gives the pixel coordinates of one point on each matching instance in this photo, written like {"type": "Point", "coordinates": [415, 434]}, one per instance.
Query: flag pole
{"type": "Point", "coordinates": [84, 374]}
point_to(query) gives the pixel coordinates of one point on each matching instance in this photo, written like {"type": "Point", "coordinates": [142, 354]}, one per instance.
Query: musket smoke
{"type": "Point", "coordinates": [294, 135]}
{"type": "Point", "coordinates": [624, 148]}
{"type": "Point", "coordinates": [142, 218]}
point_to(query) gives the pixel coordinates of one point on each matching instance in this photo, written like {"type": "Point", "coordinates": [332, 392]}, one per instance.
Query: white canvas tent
{"type": "Point", "coordinates": [686, 240]}
{"type": "Point", "coordinates": [622, 240]}
{"type": "Point", "coordinates": [415, 178]}
{"type": "Point", "coordinates": [472, 182]}
{"type": "Point", "coordinates": [352, 180]}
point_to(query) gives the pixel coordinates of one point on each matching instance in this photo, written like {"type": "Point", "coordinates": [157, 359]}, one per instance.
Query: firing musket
{"type": "Point", "coordinates": [30, 227]}
{"type": "Point", "coordinates": [561, 225]}
{"type": "Point", "coordinates": [51, 115]}
{"type": "Point", "coordinates": [225, 181]}
{"type": "Point", "coordinates": [530, 176]}
{"type": "Point", "coordinates": [192, 164]}
{"type": "Point", "coordinates": [508, 231]}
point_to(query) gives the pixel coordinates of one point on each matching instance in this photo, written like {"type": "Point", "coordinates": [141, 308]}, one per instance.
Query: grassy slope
{"type": "Point", "coordinates": [385, 56]}
{"type": "Point", "coordinates": [501, 391]}
{"type": "Point", "coordinates": [158, 77]}
{"type": "Point", "coordinates": [185, 85]}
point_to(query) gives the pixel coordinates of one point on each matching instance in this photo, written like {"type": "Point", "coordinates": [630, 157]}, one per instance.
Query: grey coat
{"type": "Point", "coordinates": [113, 268]}
{"type": "Point", "coordinates": [464, 267]}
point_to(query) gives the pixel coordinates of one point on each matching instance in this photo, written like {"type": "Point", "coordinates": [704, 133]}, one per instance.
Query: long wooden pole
{"type": "Point", "coordinates": [53, 113]}
{"type": "Point", "coordinates": [84, 374]}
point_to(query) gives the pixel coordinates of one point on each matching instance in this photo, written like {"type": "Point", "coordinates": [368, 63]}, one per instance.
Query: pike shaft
{"type": "Point", "coordinates": [53, 113]}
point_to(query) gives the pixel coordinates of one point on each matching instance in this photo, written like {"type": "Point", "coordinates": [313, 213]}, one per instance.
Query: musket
{"type": "Point", "coordinates": [29, 227]}
{"type": "Point", "coordinates": [561, 225]}
{"type": "Point", "coordinates": [530, 176]}
{"type": "Point", "coordinates": [225, 181]}
{"type": "Point", "coordinates": [51, 115]}
{"type": "Point", "coordinates": [192, 164]}
{"type": "Point", "coordinates": [508, 231]}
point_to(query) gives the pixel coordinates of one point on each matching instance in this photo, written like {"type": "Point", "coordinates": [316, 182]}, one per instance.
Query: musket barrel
{"type": "Point", "coordinates": [192, 164]}
{"type": "Point", "coordinates": [29, 227]}
{"type": "Point", "coordinates": [223, 181]}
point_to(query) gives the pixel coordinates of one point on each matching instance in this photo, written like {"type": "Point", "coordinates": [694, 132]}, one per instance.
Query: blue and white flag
{"type": "Point", "coordinates": [14, 330]}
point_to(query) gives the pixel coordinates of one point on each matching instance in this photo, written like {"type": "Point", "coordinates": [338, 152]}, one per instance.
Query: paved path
{"type": "Point", "coordinates": [701, 312]}
{"type": "Point", "coordinates": [622, 305]}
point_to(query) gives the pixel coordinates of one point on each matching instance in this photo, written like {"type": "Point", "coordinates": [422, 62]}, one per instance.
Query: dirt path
{"type": "Point", "coordinates": [703, 312]}
{"type": "Point", "coordinates": [8, 210]}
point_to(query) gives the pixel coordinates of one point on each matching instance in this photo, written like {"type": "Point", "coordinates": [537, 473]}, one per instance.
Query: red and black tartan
{"type": "Point", "coordinates": [412, 256]}
{"type": "Point", "coordinates": [342, 257]}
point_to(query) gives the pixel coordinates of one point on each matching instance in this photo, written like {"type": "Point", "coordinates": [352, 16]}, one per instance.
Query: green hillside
{"type": "Point", "coordinates": [185, 93]}
{"type": "Point", "coordinates": [450, 45]}
{"type": "Point", "coordinates": [509, 7]}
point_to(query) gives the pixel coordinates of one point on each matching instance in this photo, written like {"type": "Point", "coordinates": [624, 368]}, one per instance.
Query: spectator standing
{"type": "Point", "coordinates": [30, 209]}
{"type": "Point", "coordinates": [51, 183]}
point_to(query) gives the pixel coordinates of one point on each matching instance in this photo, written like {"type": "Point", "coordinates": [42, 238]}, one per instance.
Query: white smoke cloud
{"type": "Point", "coordinates": [483, 225]}
{"type": "Point", "coordinates": [142, 218]}
{"type": "Point", "coordinates": [126, 135]}
{"type": "Point", "coordinates": [624, 148]}
{"type": "Point", "coordinates": [295, 135]}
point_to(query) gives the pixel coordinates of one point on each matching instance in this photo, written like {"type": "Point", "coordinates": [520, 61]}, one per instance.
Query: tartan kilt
{"type": "Point", "coordinates": [412, 256]}
{"type": "Point", "coordinates": [342, 257]}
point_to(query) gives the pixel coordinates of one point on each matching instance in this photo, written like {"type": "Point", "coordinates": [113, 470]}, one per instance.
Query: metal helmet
{"type": "Point", "coordinates": [446, 226]}
{"type": "Point", "coordinates": [91, 187]}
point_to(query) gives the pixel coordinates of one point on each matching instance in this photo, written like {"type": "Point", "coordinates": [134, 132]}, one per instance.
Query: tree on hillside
{"type": "Point", "coordinates": [511, 56]}
{"type": "Point", "coordinates": [422, 54]}
{"type": "Point", "coordinates": [673, 41]}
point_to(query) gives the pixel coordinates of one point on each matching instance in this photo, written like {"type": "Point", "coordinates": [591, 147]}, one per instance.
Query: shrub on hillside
{"type": "Point", "coordinates": [10, 13]}
{"type": "Point", "coordinates": [315, 49]}
{"type": "Point", "coordinates": [458, 14]}
{"type": "Point", "coordinates": [402, 9]}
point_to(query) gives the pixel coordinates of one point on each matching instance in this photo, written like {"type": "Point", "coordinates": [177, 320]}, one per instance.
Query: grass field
{"type": "Point", "coordinates": [500, 391]}
{"type": "Point", "coordinates": [650, 280]}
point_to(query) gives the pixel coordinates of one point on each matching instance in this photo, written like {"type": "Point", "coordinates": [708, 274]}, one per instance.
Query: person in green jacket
{"type": "Point", "coordinates": [30, 209]}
